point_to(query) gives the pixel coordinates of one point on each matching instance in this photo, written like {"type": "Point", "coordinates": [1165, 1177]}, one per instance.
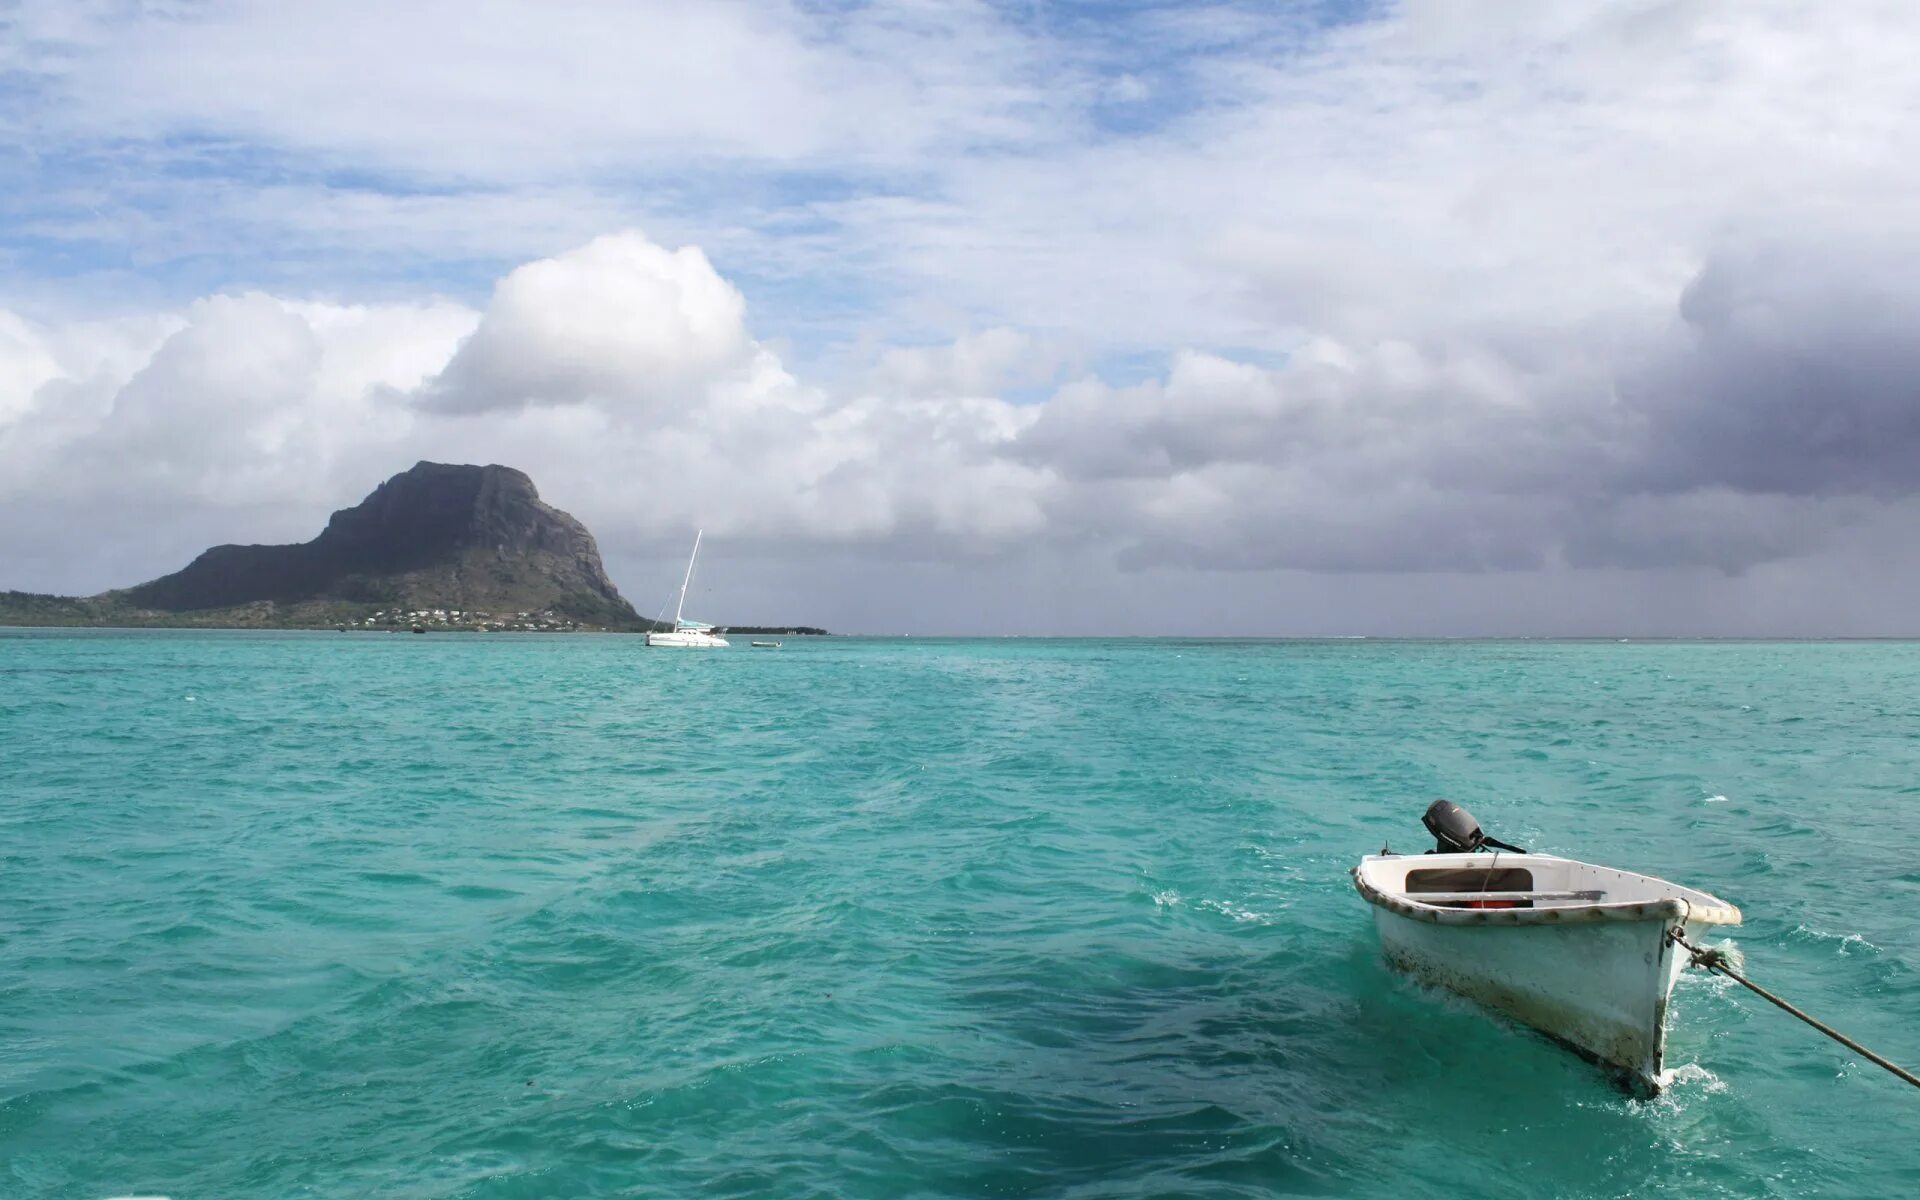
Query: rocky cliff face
{"type": "Point", "coordinates": [435, 536]}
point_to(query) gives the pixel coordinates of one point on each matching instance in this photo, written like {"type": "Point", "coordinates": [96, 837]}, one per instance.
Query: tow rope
{"type": "Point", "coordinates": [1714, 960]}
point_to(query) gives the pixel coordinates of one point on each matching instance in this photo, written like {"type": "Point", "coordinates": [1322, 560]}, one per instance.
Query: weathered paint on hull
{"type": "Point", "coordinates": [1600, 988]}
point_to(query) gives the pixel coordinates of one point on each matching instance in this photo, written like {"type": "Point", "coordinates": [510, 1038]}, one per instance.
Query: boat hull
{"type": "Point", "coordinates": [1580, 952]}
{"type": "Point", "coordinates": [687, 641]}
{"type": "Point", "coordinates": [1600, 988]}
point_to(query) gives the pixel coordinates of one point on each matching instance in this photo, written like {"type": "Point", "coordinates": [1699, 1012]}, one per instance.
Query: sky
{"type": "Point", "coordinates": [1459, 318]}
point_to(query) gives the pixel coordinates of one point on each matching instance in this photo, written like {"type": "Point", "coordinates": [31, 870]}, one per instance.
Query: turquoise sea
{"type": "Point", "coordinates": [361, 915]}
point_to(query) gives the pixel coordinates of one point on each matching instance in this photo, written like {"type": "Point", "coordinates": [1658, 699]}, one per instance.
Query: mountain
{"type": "Point", "coordinates": [437, 536]}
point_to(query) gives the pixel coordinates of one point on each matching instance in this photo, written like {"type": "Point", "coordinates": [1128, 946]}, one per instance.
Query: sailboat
{"type": "Point", "coordinates": [691, 635]}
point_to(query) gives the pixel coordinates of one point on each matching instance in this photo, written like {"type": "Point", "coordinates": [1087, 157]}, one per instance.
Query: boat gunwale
{"type": "Point", "coordinates": [1672, 908]}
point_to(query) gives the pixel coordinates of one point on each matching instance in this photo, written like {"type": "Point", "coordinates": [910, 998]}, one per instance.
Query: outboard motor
{"type": "Point", "coordinates": [1456, 832]}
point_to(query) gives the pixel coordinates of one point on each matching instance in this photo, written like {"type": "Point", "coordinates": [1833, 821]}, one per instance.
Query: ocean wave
{"type": "Point", "coordinates": [1843, 943]}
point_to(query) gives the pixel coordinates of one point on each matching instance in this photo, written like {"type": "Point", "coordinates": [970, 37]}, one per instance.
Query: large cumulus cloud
{"type": "Point", "coordinates": [620, 322]}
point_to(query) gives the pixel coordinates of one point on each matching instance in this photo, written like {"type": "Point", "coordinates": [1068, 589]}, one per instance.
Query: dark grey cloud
{"type": "Point", "coordinates": [1795, 371]}
{"type": "Point", "coordinates": [1775, 403]}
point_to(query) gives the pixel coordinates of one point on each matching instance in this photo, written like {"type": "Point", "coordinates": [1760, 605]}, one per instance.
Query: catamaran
{"type": "Point", "coordinates": [690, 635]}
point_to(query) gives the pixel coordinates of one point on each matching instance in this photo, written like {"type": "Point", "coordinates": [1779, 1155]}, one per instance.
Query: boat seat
{"type": "Point", "coordinates": [1448, 897]}
{"type": "Point", "coordinates": [1424, 880]}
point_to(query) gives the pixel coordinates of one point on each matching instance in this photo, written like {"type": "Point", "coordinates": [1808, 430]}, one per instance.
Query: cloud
{"type": "Point", "coordinates": [531, 91]}
{"type": "Point", "coordinates": [246, 405]}
{"type": "Point", "coordinates": [621, 375]}
{"type": "Point", "coordinates": [1573, 288]}
{"type": "Point", "coordinates": [903, 174]}
{"type": "Point", "coordinates": [28, 364]}
{"type": "Point", "coordinates": [681, 418]}
{"type": "Point", "coordinates": [1388, 457]}
{"type": "Point", "coordinates": [619, 320]}
{"type": "Point", "coordinates": [986, 363]}
{"type": "Point", "coordinates": [624, 377]}
{"type": "Point", "coordinates": [1793, 371]}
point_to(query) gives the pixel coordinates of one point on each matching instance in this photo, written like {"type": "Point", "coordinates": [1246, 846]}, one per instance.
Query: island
{"type": "Point", "coordinates": [440, 546]}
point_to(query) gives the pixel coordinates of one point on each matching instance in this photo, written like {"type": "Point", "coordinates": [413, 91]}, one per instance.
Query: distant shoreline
{"type": "Point", "coordinates": [35, 610]}
{"type": "Point", "coordinates": [8, 622]}
{"type": "Point", "coordinates": [1305, 639]}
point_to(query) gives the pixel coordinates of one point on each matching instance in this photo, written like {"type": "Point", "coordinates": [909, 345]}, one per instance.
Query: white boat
{"type": "Point", "coordinates": [685, 634]}
{"type": "Point", "coordinates": [1582, 953]}
{"type": "Point", "coordinates": [764, 645]}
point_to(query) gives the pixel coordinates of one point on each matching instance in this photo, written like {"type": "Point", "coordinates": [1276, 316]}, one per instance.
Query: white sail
{"type": "Point", "coordinates": [680, 608]}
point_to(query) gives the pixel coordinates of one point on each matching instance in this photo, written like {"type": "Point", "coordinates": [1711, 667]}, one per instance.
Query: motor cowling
{"type": "Point", "coordinates": [1453, 828]}
{"type": "Point", "coordinates": [1456, 832]}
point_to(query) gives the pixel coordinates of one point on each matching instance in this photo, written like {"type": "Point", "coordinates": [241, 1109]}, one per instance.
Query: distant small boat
{"type": "Point", "coordinates": [765, 645]}
{"type": "Point", "coordinates": [688, 635]}
{"type": "Point", "coordinates": [1582, 953]}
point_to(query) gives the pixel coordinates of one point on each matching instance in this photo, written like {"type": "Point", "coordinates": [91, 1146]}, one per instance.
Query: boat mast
{"type": "Point", "coordinates": [680, 607]}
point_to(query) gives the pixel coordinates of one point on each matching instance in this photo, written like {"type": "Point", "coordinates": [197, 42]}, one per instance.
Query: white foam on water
{"type": "Point", "coordinates": [1845, 939]}
{"type": "Point", "coordinates": [1167, 899]}
{"type": "Point", "coordinates": [1716, 800]}
{"type": "Point", "coordinates": [1691, 1073]}
{"type": "Point", "coordinates": [1713, 981]}
{"type": "Point", "coordinates": [1685, 1081]}
{"type": "Point", "coordinates": [1679, 1087]}
{"type": "Point", "coordinates": [1227, 908]}
{"type": "Point", "coordinates": [1731, 952]}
